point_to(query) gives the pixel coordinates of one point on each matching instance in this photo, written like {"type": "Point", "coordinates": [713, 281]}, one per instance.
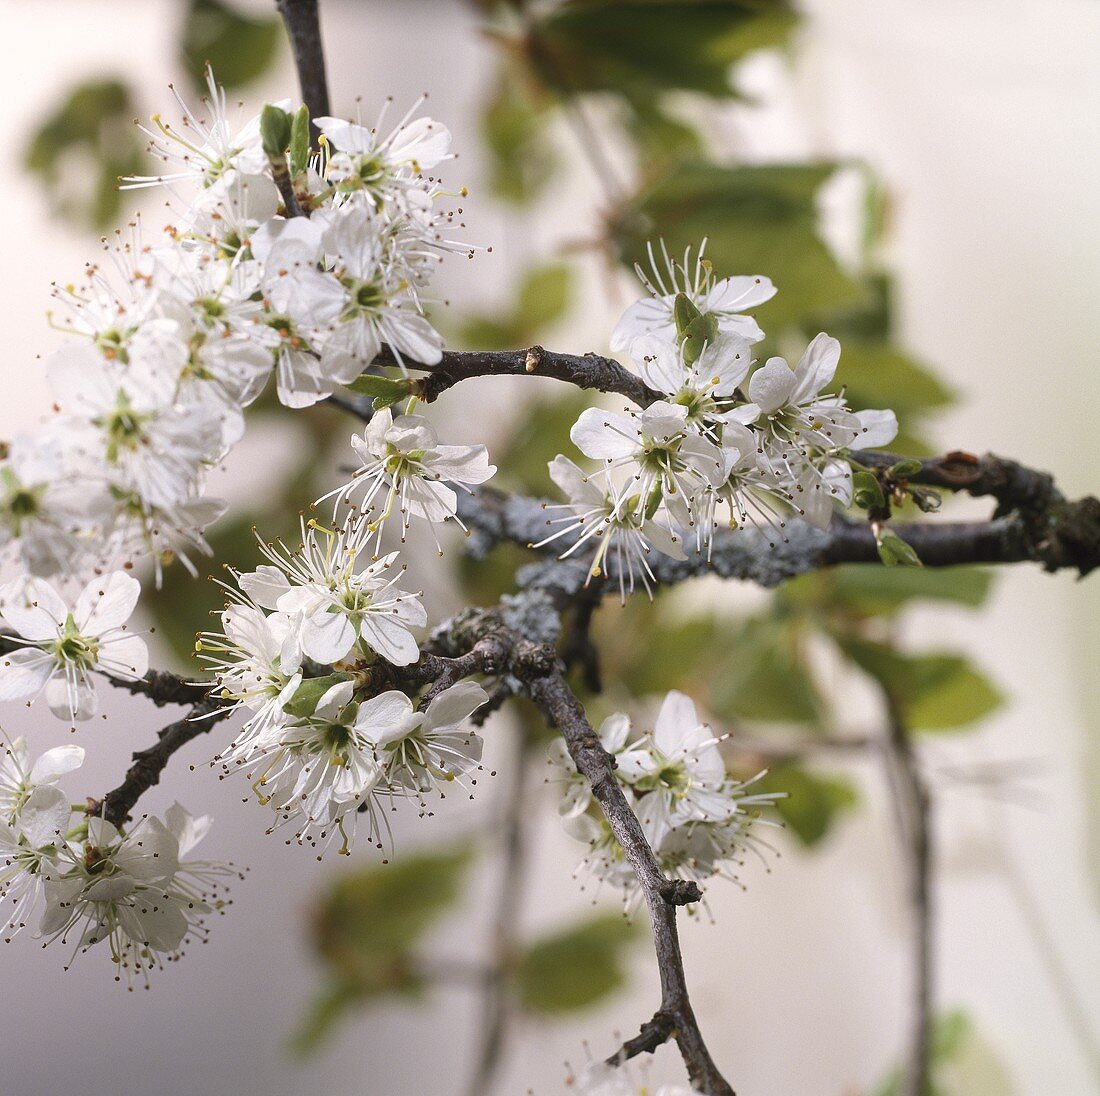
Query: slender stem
{"type": "Point", "coordinates": [149, 763]}
{"type": "Point", "coordinates": [496, 1004]}
{"type": "Point", "coordinates": [915, 805]}
{"type": "Point", "coordinates": [303, 26]}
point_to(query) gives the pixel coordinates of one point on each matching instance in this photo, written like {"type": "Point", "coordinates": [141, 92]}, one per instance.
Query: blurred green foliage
{"type": "Point", "coordinates": [87, 142]}
{"type": "Point", "coordinates": [368, 929]}
{"type": "Point", "coordinates": [238, 47]}
{"type": "Point", "coordinates": [543, 297]}
{"type": "Point", "coordinates": [963, 1064]}
{"type": "Point", "coordinates": [641, 48]}
{"type": "Point", "coordinates": [812, 801]}
{"type": "Point", "coordinates": [82, 147]}
{"type": "Point", "coordinates": [575, 968]}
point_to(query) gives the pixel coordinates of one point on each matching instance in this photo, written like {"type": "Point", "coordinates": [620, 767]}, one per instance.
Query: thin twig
{"type": "Point", "coordinates": [582, 371]}
{"type": "Point", "coordinates": [675, 1018]}
{"type": "Point", "coordinates": [149, 763]}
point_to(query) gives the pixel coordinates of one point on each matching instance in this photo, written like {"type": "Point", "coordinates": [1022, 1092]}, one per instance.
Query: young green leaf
{"type": "Point", "coordinates": [274, 131]}
{"type": "Point", "coordinates": [299, 140]}
{"type": "Point", "coordinates": [895, 552]}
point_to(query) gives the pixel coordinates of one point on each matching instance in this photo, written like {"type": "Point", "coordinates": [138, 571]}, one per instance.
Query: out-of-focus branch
{"type": "Point", "coordinates": [915, 809]}
{"type": "Point", "coordinates": [496, 1002]}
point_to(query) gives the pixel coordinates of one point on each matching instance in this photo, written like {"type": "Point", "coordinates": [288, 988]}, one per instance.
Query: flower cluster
{"type": "Point", "coordinates": [727, 441]}
{"type": "Point", "coordinates": [134, 890]}
{"type": "Point", "coordinates": [300, 636]}
{"type": "Point", "coordinates": [697, 819]}
{"type": "Point", "coordinates": [281, 261]}
{"type": "Point", "coordinates": [285, 259]}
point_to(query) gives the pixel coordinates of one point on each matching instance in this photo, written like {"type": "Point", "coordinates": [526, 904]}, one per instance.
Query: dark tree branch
{"type": "Point", "coordinates": [1052, 530]}
{"type": "Point", "coordinates": [149, 763]}
{"type": "Point", "coordinates": [303, 27]}
{"type": "Point", "coordinates": [587, 371]}
{"type": "Point", "coordinates": [1068, 541]}
{"type": "Point", "coordinates": [163, 687]}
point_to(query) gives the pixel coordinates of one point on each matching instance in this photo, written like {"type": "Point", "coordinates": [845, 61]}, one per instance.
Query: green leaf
{"type": "Point", "coordinates": [643, 47]}
{"type": "Point", "coordinates": [813, 801]}
{"type": "Point", "coordinates": [936, 691]}
{"type": "Point", "coordinates": [385, 390]}
{"type": "Point", "coordinates": [542, 300]}
{"type": "Point", "coordinates": [662, 140]}
{"type": "Point", "coordinates": [365, 929]}
{"type": "Point", "coordinates": [81, 149]}
{"type": "Point", "coordinates": [757, 220]}
{"type": "Point", "coordinates": [876, 374]}
{"type": "Point", "coordinates": [514, 126]}
{"type": "Point", "coordinates": [905, 468]}
{"type": "Point", "coordinates": [962, 1063]}
{"type": "Point", "coordinates": [895, 552]}
{"type": "Point", "coordinates": [238, 47]}
{"type": "Point", "coordinates": [376, 913]}
{"type": "Point", "coordinates": [870, 590]}
{"type": "Point", "coordinates": [307, 696]}
{"type": "Point", "coordinates": [867, 490]}
{"type": "Point", "coordinates": [575, 968]}
{"type": "Point", "coordinates": [956, 695]}
{"type": "Point", "coordinates": [274, 131]}
{"type": "Point", "coordinates": [766, 676]}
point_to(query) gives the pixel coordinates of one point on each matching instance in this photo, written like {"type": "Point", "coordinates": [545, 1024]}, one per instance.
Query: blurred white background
{"type": "Point", "coordinates": [981, 119]}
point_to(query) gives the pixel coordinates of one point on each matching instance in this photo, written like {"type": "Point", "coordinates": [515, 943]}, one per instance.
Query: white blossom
{"type": "Point", "coordinates": [697, 819]}
{"type": "Point", "coordinates": [203, 149]}
{"type": "Point", "coordinates": [319, 769]}
{"type": "Point", "coordinates": [725, 299]}
{"type": "Point", "coordinates": [418, 750]}
{"type": "Point", "coordinates": [405, 473]}
{"type": "Point", "coordinates": [20, 778]}
{"type": "Point", "coordinates": [624, 534]}
{"type": "Point", "coordinates": [335, 607]}
{"type": "Point", "coordinates": [133, 890]}
{"type": "Point", "coordinates": [65, 646]}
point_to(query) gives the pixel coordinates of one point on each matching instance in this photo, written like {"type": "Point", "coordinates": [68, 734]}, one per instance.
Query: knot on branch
{"type": "Point", "coordinates": [534, 660]}
{"type": "Point", "coordinates": [1073, 537]}
{"type": "Point", "coordinates": [680, 892]}
{"type": "Point", "coordinates": [654, 1033]}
